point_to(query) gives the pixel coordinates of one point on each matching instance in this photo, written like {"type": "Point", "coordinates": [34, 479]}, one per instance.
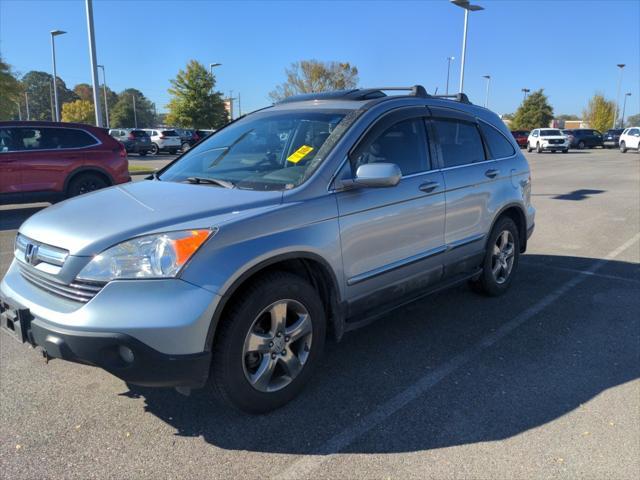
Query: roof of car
{"type": "Point", "coordinates": [36, 123]}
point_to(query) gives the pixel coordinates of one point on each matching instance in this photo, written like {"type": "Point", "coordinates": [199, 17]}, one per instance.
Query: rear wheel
{"type": "Point", "coordinates": [623, 147]}
{"type": "Point", "coordinates": [500, 260]}
{"type": "Point", "coordinates": [581, 145]}
{"type": "Point", "coordinates": [269, 343]}
{"type": "Point", "coordinates": [85, 183]}
{"type": "Point", "coordinates": [155, 149]}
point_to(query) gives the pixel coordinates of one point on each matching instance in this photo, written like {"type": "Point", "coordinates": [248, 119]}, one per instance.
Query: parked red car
{"type": "Point", "coordinates": [49, 161]}
{"type": "Point", "coordinates": [521, 137]}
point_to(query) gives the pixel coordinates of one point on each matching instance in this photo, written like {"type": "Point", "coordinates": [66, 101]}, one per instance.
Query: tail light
{"type": "Point", "coordinates": [123, 151]}
{"type": "Point", "coordinates": [162, 137]}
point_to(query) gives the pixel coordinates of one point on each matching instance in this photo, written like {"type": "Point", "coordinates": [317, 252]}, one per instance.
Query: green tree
{"type": "Point", "coordinates": [534, 112]}
{"type": "Point", "coordinates": [84, 91]}
{"type": "Point", "coordinates": [121, 115]}
{"type": "Point", "coordinates": [599, 112]}
{"type": "Point", "coordinates": [193, 102]}
{"type": "Point", "coordinates": [79, 111]}
{"type": "Point", "coordinates": [633, 120]}
{"type": "Point", "coordinates": [38, 86]}
{"type": "Point", "coordinates": [309, 76]}
{"type": "Point", "coordinates": [10, 92]}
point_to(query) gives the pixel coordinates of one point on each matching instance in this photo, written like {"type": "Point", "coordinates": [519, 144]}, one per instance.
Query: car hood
{"type": "Point", "coordinates": [88, 224]}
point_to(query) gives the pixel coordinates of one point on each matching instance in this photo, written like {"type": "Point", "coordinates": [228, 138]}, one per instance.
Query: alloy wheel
{"type": "Point", "coordinates": [503, 257]}
{"type": "Point", "coordinates": [277, 345]}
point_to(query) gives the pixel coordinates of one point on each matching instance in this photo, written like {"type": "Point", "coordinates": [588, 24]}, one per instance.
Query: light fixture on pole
{"type": "Point", "coordinates": [486, 100]}
{"type": "Point", "coordinates": [624, 107]}
{"type": "Point", "coordinates": [94, 63]}
{"type": "Point", "coordinates": [525, 91]}
{"type": "Point", "coordinates": [468, 7]}
{"type": "Point", "coordinates": [104, 88]}
{"type": "Point", "coordinates": [617, 108]}
{"type": "Point", "coordinates": [211, 67]}
{"type": "Point", "coordinates": [446, 92]}
{"type": "Point", "coordinates": [55, 33]}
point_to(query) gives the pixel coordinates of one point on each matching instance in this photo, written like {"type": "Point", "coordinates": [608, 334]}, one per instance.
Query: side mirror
{"type": "Point", "coordinates": [378, 175]}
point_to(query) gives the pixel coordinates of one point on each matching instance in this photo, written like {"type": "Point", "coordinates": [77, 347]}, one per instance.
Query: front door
{"type": "Point", "coordinates": [392, 238]}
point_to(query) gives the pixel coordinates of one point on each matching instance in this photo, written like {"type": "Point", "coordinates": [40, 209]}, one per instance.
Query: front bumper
{"type": "Point", "coordinates": [555, 146]}
{"type": "Point", "coordinates": [119, 354]}
{"type": "Point", "coordinates": [164, 323]}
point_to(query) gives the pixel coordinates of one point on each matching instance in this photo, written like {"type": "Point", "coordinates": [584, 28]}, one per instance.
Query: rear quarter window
{"type": "Point", "coordinates": [459, 142]}
{"type": "Point", "coordinates": [499, 146]}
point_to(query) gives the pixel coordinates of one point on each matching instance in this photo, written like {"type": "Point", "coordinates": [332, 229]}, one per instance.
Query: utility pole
{"type": "Point", "coordinates": [26, 100]}
{"type": "Point", "coordinates": [231, 104]}
{"type": "Point", "coordinates": [54, 34]}
{"type": "Point", "coordinates": [19, 111]}
{"type": "Point", "coordinates": [53, 117]}
{"type": "Point", "coordinates": [94, 63]}
{"type": "Point", "coordinates": [135, 117]}
{"type": "Point", "coordinates": [525, 90]}
{"type": "Point", "coordinates": [624, 107]}
{"type": "Point", "coordinates": [486, 101]}
{"type": "Point", "coordinates": [446, 92]}
{"type": "Point", "coordinates": [104, 88]}
{"type": "Point", "coordinates": [617, 109]}
{"type": "Point", "coordinates": [466, 5]}
{"type": "Point", "coordinates": [240, 106]}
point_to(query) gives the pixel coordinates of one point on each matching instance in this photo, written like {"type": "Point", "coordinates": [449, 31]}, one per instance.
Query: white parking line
{"type": "Point", "coordinates": [581, 272]}
{"type": "Point", "coordinates": [306, 465]}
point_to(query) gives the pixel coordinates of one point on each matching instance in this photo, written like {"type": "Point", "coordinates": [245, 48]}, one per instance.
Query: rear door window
{"type": "Point", "coordinates": [459, 142]}
{"type": "Point", "coordinates": [499, 146]}
{"type": "Point", "coordinates": [170, 133]}
{"type": "Point", "coordinates": [7, 143]}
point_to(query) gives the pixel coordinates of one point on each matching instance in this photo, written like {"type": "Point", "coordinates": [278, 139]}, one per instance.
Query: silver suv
{"type": "Point", "coordinates": [303, 220]}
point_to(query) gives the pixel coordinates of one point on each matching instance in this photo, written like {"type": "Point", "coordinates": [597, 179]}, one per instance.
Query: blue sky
{"type": "Point", "coordinates": [143, 44]}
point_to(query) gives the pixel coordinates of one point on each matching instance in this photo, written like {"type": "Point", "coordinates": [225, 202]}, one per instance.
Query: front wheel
{"type": "Point", "coordinates": [529, 149]}
{"type": "Point", "coordinates": [155, 150]}
{"type": "Point", "coordinates": [500, 259]}
{"type": "Point", "coordinates": [269, 343]}
{"type": "Point", "coordinates": [538, 148]}
{"type": "Point", "coordinates": [185, 146]}
{"type": "Point", "coordinates": [623, 147]}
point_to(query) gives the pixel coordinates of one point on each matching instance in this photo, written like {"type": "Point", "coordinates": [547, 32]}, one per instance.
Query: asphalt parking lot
{"type": "Point", "coordinates": [540, 383]}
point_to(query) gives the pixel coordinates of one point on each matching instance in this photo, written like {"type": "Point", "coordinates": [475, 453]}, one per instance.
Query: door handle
{"type": "Point", "coordinates": [492, 173]}
{"type": "Point", "coordinates": [428, 187]}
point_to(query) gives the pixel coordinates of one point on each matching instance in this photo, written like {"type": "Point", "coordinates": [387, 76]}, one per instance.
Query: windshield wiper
{"type": "Point", "coordinates": [211, 181]}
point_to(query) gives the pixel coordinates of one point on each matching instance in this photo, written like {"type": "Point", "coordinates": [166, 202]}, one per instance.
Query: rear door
{"type": "Point", "coordinates": [392, 238]}
{"type": "Point", "coordinates": [470, 177]}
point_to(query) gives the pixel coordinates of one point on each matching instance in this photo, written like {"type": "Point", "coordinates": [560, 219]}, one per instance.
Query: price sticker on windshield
{"type": "Point", "coordinates": [299, 154]}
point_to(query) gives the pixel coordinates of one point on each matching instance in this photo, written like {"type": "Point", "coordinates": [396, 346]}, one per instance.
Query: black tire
{"type": "Point", "coordinates": [566, 150]}
{"type": "Point", "coordinates": [487, 283]}
{"type": "Point", "coordinates": [228, 369]}
{"type": "Point", "coordinates": [581, 145]}
{"type": "Point", "coordinates": [623, 147]}
{"type": "Point", "coordinates": [155, 150]}
{"type": "Point", "coordinates": [529, 149]}
{"type": "Point", "coordinates": [173, 151]}
{"type": "Point", "coordinates": [538, 148]}
{"type": "Point", "coordinates": [185, 146]}
{"type": "Point", "coordinates": [85, 183]}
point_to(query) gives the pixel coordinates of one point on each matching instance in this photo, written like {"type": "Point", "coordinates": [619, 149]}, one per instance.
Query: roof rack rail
{"type": "Point", "coordinates": [356, 94]}
{"type": "Point", "coordinates": [459, 97]}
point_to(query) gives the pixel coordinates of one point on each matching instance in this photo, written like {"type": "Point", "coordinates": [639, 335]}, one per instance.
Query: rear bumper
{"type": "Point", "coordinates": [119, 354]}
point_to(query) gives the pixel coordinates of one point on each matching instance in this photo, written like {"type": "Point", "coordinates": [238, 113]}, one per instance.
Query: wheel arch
{"type": "Point", "coordinates": [307, 265]}
{"type": "Point", "coordinates": [87, 169]}
{"type": "Point", "coordinates": [516, 213]}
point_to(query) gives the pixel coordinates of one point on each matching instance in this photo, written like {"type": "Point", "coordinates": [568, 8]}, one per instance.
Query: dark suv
{"type": "Point", "coordinates": [584, 138]}
{"type": "Point", "coordinates": [135, 141]}
{"type": "Point", "coordinates": [612, 138]}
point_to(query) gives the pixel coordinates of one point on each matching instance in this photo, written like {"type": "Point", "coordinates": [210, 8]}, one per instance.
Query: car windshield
{"type": "Point", "coordinates": [264, 151]}
{"type": "Point", "coordinates": [550, 133]}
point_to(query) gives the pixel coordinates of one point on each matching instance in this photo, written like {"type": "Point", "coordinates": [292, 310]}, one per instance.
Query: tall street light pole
{"type": "Point", "coordinates": [135, 115]}
{"type": "Point", "coordinates": [104, 88]}
{"type": "Point", "coordinates": [525, 91]}
{"type": "Point", "coordinates": [468, 7]}
{"type": "Point", "coordinates": [486, 100]}
{"type": "Point", "coordinates": [446, 92]}
{"type": "Point", "coordinates": [26, 101]}
{"type": "Point", "coordinates": [617, 109]}
{"type": "Point", "coordinates": [94, 63]}
{"type": "Point", "coordinates": [55, 33]}
{"type": "Point", "coordinates": [624, 107]}
{"type": "Point", "coordinates": [211, 67]}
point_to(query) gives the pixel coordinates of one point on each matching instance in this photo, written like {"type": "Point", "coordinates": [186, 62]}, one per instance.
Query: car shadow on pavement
{"type": "Point", "coordinates": [12, 218]}
{"type": "Point", "coordinates": [574, 348]}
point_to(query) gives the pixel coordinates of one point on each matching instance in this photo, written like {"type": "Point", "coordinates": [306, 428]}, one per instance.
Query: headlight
{"type": "Point", "coordinates": [160, 255]}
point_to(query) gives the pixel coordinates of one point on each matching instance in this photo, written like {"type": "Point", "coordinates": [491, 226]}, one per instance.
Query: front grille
{"type": "Point", "coordinates": [556, 141]}
{"type": "Point", "coordinates": [76, 291]}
